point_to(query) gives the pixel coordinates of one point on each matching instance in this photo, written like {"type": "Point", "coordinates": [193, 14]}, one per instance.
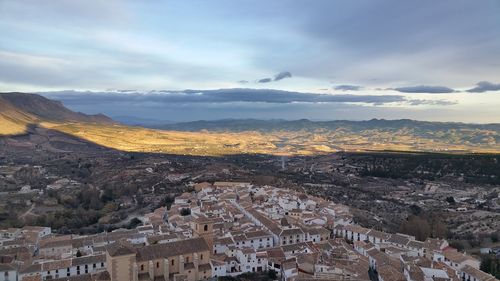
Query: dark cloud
{"type": "Point", "coordinates": [425, 89]}
{"type": "Point", "coordinates": [484, 86]}
{"type": "Point", "coordinates": [431, 102]}
{"type": "Point", "coordinates": [282, 75]}
{"type": "Point", "coordinates": [264, 80]}
{"type": "Point", "coordinates": [191, 105]}
{"type": "Point", "coordinates": [347, 88]}
{"type": "Point", "coordinates": [277, 77]}
{"type": "Point", "coordinates": [218, 96]}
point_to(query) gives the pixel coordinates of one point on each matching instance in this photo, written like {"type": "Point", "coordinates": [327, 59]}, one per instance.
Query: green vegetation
{"type": "Point", "coordinates": [490, 263]}
{"type": "Point", "coordinates": [480, 169]}
{"type": "Point", "coordinates": [185, 212]}
{"type": "Point", "coordinates": [424, 225]}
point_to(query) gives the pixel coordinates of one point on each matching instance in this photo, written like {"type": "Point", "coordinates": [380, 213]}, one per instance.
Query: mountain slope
{"type": "Point", "coordinates": [236, 125]}
{"type": "Point", "coordinates": [32, 114]}
{"type": "Point", "coordinates": [12, 120]}
{"type": "Point", "coordinates": [49, 110]}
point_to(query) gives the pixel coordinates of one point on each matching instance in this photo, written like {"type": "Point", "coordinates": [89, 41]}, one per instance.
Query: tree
{"type": "Point", "coordinates": [490, 264]}
{"type": "Point", "coordinates": [450, 200]}
{"type": "Point", "coordinates": [134, 223]}
{"type": "Point", "coordinates": [457, 245]}
{"type": "Point", "coordinates": [494, 237]}
{"type": "Point", "coordinates": [417, 227]}
{"type": "Point", "coordinates": [272, 274]}
{"type": "Point", "coordinates": [185, 212]}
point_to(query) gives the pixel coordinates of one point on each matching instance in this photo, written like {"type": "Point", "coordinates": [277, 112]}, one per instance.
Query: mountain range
{"type": "Point", "coordinates": [19, 112]}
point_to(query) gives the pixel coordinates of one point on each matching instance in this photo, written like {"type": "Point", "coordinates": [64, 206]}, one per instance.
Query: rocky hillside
{"type": "Point", "coordinates": [19, 110]}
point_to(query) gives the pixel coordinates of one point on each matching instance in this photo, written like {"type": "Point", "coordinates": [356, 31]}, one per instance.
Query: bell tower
{"type": "Point", "coordinates": [204, 227]}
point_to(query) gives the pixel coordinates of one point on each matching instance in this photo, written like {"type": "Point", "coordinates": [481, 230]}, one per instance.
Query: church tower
{"type": "Point", "coordinates": [204, 227]}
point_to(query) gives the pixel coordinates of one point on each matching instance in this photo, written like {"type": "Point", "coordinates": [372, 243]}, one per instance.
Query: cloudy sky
{"type": "Point", "coordinates": [426, 59]}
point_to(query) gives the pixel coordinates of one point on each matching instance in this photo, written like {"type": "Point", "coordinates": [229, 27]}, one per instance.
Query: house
{"type": "Point", "coordinates": [458, 260]}
{"type": "Point", "coordinates": [56, 247]}
{"type": "Point", "coordinates": [8, 272]}
{"type": "Point", "coordinates": [356, 232]}
{"type": "Point", "coordinates": [291, 236]}
{"type": "Point", "coordinates": [289, 271]}
{"type": "Point", "coordinates": [400, 240]}
{"type": "Point", "coordinates": [376, 236]}
{"type": "Point", "coordinates": [469, 273]}
{"type": "Point", "coordinates": [41, 231]}
{"type": "Point", "coordinates": [251, 261]}
{"type": "Point", "coordinates": [317, 234]}
{"type": "Point", "coordinates": [259, 239]}
{"type": "Point", "coordinates": [187, 259]}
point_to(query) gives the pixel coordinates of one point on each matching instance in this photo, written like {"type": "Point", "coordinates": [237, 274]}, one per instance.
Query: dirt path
{"type": "Point", "coordinates": [28, 212]}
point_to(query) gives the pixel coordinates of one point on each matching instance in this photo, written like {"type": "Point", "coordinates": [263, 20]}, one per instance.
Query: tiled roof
{"type": "Point", "coordinates": [120, 248]}
{"type": "Point", "coordinates": [188, 246]}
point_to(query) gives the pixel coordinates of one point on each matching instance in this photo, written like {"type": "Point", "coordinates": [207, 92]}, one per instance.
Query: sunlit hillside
{"type": "Point", "coordinates": [302, 137]}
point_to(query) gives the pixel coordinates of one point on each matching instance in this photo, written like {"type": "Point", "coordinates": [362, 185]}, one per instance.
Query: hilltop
{"type": "Point", "coordinates": [19, 110]}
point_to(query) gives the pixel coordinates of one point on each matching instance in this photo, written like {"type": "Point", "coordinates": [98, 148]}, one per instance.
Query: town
{"type": "Point", "coordinates": [226, 229]}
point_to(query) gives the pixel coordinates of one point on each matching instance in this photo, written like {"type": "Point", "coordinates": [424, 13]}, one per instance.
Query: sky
{"type": "Point", "coordinates": [323, 60]}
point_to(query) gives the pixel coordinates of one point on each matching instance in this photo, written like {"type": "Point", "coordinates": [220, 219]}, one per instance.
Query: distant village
{"type": "Point", "coordinates": [228, 229]}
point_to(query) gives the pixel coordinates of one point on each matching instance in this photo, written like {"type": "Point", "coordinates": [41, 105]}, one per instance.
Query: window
{"type": "Point", "coordinates": [172, 262]}
{"type": "Point", "coordinates": [157, 264]}
{"type": "Point", "coordinates": [142, 267]}
{"type": "Point", "coordinates": [205, 228]}
{"type": "Point", "coordinates": [201, 256]}
{"type": "Point", "coordinates": [187, 259]}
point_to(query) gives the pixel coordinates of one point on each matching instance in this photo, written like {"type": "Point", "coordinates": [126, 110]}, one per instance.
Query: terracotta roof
{"type": "Point", "coordinates": [398, 239]}
{"type": "Point", "coordinates": [32, 268]}
{"type": "Point", "coordinates": [120, 248]}
{"type": "Point", "coordinates": [89, 259]}
{"type": "Point", "coordinates": [257, 234]}
{"type": "Point", "coordinates": [57, 264]}
{"type": "Point", "coordinates": [389, 273]}
{"type": "Point", "coordinates": [455, 256]}
{"type": "Point", "coordinates": [379, 234]}
{"type": "Point", "coordinates": [205, 266]}
{"type": "Point", "coordinates": [357, 229]}
{"type": "Point", "coordinates": [480, 275]}
{"type": "Point", "coordinates": [291, 231]}
{"type": "Point", "coordinates": [415, 244]}
{"type": "Point", "coordinates": [188, 246]}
